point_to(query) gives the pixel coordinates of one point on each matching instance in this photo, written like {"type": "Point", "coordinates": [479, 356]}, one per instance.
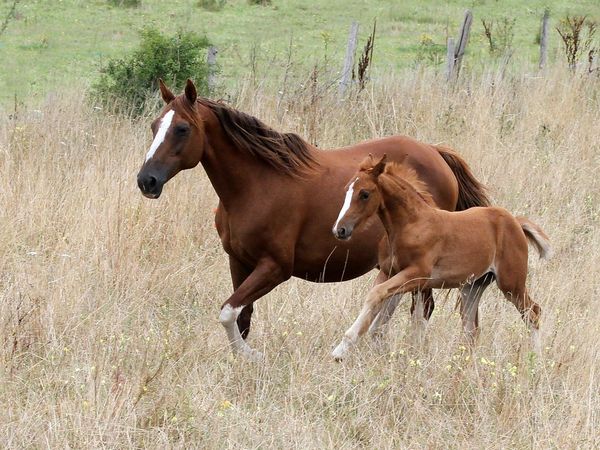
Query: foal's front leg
{"type": "Point", "coordinates": [404, 281]}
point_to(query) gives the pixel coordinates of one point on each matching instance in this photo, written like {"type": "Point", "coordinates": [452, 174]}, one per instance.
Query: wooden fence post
{"type": "Point", "coordinates": [349, 59]}
{"type": "Point", "coordinates": [462, 41]}
{"type": "Point", "coordinates": [211, 60]}
{"type": "Point", "coordinates": [450, 59]}
{"type": "Point", "coordinates": [544, 40]}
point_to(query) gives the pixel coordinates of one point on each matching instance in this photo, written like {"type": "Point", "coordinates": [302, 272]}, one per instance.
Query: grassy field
{"type": "Point", "coordinates": [55, 43]}
{"type": "Point", "coordinates": [109, 301]}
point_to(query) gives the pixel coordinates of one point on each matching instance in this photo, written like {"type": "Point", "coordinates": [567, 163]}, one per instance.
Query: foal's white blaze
{"type": "Point", "coordinates": [346, 204]}
{"type": "Point", "coordinates": [165, 123]}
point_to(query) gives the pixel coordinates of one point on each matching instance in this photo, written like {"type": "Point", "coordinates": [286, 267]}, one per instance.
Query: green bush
{"type": "Point", "coordinates": [127, 84]}
{"type": "Point", "coordinates": [212, 5]}
{"type": "Point", "coordinates": [260, 2]}
{"type": "Point", "coordinates": [126, 3]}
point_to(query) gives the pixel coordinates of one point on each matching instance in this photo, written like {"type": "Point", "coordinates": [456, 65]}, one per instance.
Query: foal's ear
{"type": "Point", "coordinates": [165, 92]}
{"type": "Point", "coordinates": [190, 91]}
{"type": "Point", "coordinates": [379, 167]}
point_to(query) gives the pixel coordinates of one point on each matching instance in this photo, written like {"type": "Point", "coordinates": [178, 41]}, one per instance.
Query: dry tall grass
{"type": "Point", "coordinates": [109, 301]}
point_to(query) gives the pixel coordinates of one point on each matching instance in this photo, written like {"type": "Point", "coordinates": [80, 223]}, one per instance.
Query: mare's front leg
{"type": "Point", "coordinates": [239, 272]}
{"type": "Point", "coordinates": [404, 281]}
{"type": "Point", "coordinates": [266, 275]}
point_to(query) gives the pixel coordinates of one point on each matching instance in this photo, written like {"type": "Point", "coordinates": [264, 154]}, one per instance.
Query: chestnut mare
{"type": "Point", "coordinates": [279, 197]}
{"type": "Point", "coordinates": [432, 248]}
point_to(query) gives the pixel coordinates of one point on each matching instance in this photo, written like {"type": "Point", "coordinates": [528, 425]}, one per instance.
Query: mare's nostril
{"type": "Point", "coordinates": [151, 182]}
{"type": "Point", "coordinates": [342, 232]}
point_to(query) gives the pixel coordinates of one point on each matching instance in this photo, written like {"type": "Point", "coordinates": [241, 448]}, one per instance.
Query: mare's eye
{"type": "Point", "coordinates": [182, 129]}
{"type": "Point", "coordinates": [363, 194]}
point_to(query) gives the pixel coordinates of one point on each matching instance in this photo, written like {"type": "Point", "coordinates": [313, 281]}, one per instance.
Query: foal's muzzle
{"type": "Point", "coordinates": [343, 233]}
{"type": "Point", "coordinates": [151, 184]}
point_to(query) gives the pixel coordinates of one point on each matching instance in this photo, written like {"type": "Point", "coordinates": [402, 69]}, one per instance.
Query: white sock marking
{"type": "Point", "coordinates": [165, 123]}
{"type": "Point", "coordinates": [228, 319]}
{"type": "Point", "coordinates": [346, 204]}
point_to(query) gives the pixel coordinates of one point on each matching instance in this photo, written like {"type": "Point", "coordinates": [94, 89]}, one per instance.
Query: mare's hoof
{"type": "Point", "coordinates": [339, 353]}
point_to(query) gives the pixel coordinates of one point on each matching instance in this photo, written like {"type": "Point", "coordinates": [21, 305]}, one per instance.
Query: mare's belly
{"type": "Point", "coordinates": [338, 261]}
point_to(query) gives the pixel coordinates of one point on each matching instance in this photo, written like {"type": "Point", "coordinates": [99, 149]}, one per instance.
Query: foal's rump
{"type": "Point", "coordinates": [536, 236]}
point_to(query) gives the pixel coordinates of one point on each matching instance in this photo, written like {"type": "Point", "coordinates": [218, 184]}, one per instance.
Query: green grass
{"type": "Point", "coordinates": [54, 43]}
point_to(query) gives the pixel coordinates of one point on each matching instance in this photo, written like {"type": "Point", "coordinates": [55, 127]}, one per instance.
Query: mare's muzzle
{"type": "Point", "coordinates": [151, 183]}
{"type": "Point", "coordinates": [343, 233]}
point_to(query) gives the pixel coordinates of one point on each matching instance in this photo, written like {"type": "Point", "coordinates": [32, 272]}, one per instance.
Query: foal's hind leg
{"type": "Point", "coordinates": [530, 313]}
{"type": "Point", "coordinates": [512, 285]}
{"type": "Point", "coordinates": [469, 306]}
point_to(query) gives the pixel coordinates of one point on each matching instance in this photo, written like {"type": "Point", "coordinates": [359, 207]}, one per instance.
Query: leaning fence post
{"type": "Point", "coordinates": [544, 40]}
{"type": "Point", "coordinates": [211, 61]}
{"type": "Point", "coordinates": [450, 59]}
{"type": "Point", "coordinates": [462, 41]}
{"type": "Point", "coordinates": [349, 59]}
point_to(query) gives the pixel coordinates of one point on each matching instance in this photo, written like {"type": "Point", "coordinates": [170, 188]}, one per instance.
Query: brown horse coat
{"type": "Point", "coordinates": [279, 196]}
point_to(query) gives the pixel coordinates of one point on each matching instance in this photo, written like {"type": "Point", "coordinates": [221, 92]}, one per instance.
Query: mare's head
{"type": "Point", "coordinates": [362, 197]}
{"type": "Point", "coordinates": [178, 140]}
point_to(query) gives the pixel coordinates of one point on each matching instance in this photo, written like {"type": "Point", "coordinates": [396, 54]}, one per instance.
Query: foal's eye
{"type": "Point", "coordinates": [363, 195]}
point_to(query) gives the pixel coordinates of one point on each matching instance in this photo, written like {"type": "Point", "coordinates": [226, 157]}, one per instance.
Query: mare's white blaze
{"type": "Point", "coordinates": [165, 123]}
{"type": "Point", "coordinates": [346, 204]}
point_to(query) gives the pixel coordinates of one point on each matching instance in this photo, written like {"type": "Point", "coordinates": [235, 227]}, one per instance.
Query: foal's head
{"type": "Point", "coordinates": [362, 197]}
{"type": "Point", "coordinates": [178, 140]}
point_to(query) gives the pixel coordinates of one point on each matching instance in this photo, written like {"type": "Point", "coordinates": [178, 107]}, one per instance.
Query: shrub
{"type": "Point", "coordinates": [126, 84]}
{"type": "Point", "coordinates": [260, 2]}
{"type": "Point", "coordinates": [126, 3]}
{"type": "Point", "coordinates": [577, 34]}
{"type": "Point", "coordinates": [212, 5]}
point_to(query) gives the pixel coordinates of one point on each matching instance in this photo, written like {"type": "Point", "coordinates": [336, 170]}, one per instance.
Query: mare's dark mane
{"type": "Point", "coordinates": [286, 152]}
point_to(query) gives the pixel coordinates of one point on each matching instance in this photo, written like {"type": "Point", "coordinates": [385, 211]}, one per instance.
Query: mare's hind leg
{"type": "Point", "coordinates": [469, 306]}
{"type": "Point", "coordinates": [420, 310]}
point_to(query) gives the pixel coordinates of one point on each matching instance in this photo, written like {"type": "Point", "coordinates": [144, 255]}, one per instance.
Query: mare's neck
{"type": "Point", "coordinates": [232, 172]}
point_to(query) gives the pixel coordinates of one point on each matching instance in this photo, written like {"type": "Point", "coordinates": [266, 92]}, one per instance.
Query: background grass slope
{"type": "Point", "coordinates": [54, 43]}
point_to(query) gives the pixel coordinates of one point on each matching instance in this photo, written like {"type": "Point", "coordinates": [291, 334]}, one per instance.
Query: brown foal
{"type": "Point", "coordinates": [431, 248]}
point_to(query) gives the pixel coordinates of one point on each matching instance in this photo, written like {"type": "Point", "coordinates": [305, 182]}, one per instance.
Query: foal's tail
{"type": "Point", "coordinates": [470, 191]}
{"type": "Point", "coordinates": [536, 236]}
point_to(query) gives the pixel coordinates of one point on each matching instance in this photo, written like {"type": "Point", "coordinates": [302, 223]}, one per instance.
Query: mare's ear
{"type": "Point", "coordinates": [366, 164]}
{"type": "Point", "coordinates": [379, 167]}
{"type": "Point", "coordinates": [190, 91]}
{"type": "Point", "coordinates": [165, 92]}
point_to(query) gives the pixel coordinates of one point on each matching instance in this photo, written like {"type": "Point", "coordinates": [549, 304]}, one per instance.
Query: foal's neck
{"type": "Point", "coordinates": [401, 205]}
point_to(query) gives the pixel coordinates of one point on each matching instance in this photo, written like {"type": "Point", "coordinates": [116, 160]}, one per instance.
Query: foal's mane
{"type": "Point", "coordinates": [286, 152]}
{"type": "Point", "coordinates": [395, 175]}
